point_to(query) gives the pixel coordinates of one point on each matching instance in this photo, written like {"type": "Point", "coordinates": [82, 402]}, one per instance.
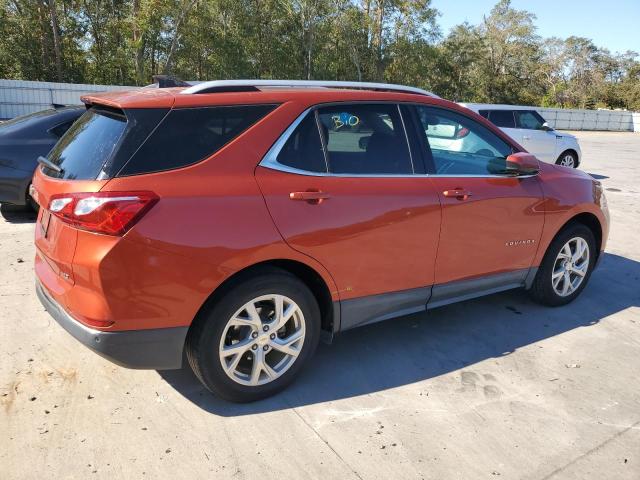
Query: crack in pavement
{"type": "Point", "coordinates": [589, 452]}
{"type": "Point", "coordinates": [295, 410]}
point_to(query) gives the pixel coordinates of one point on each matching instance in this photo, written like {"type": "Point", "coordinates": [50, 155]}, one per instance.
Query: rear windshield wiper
{"type": "Point", "coordinates": [49, 164]}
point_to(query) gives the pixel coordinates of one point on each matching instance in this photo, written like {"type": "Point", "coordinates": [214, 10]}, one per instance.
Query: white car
{"type": "Point", "coordinates": [527, 127]}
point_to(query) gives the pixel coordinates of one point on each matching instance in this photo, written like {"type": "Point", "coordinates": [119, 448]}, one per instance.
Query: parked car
{"type": "Point", "coordinates": [527, 127]}
{"type": "Point", "coordinates": [22, 140]}
{"type": "Point", "coordinates": [243, 220]}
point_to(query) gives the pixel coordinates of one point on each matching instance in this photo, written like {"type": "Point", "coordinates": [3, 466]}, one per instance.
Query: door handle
{"type": "Point", "coordinates": [457, 193]}
{"type": "Point", "coordinates": [313, 197]}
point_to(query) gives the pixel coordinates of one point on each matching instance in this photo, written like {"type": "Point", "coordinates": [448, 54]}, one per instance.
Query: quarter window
{"type": "Point", "coordinates": [467, 148]}
{"type": "Point", "coordinates": [365, 139]}
{"type": "Point", "coordinates": [303, 149]}
{"type": "Point", "coordinates": [189, 135]}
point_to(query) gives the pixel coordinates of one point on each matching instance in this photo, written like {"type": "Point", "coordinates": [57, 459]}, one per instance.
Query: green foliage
{"type": "Point", "coordinates": [500, 59]}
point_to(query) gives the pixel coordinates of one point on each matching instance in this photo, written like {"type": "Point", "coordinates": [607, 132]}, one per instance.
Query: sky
{"type": "Point", "coordinates": [612, 24]}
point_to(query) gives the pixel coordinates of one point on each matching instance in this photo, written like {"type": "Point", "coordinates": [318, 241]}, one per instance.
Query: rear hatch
{"type": "Point", "coordinates": [78, 161]}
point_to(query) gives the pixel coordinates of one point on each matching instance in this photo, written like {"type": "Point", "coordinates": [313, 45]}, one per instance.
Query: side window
{"type": "Point", "coordinates": [303, 149]}
{"type": "Point", "coordinates": [365, 139]}
{"type": "Point", "coordinates": [529, 119]}
{"type": "Point", "coordinates": [469, 149]}
{"type": "Point", "coordinates": [502, 118]}
{"type": "Point", "coordinates": [61, 129]}
{"type": "Point", "coordinates": [189, 135]}
{"type": "Point", "coordinates": [484, 113]}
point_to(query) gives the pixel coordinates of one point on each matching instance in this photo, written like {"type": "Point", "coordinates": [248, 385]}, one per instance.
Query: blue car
{"type": "Point", "coordinates": [22, 141]}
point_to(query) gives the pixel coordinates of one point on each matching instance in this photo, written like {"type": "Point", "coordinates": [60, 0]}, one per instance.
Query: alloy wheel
{"type": "Point", "coordinates": [567, 161]}
{"type": "Point", "coordinates": [570, 267]}
{"type": "Point", "coordinates": [262, 340]}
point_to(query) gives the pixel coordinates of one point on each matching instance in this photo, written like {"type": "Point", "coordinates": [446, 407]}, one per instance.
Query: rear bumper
{"type": "Point", "coordinates": [157, 349]}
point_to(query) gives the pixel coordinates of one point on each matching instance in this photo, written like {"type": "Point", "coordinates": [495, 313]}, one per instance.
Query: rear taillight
{"type": "Point", "coordinates": [110, 213]}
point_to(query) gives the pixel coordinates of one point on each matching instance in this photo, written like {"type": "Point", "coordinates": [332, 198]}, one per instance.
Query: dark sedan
{"type": "Point", "coordinates": [22, 141]}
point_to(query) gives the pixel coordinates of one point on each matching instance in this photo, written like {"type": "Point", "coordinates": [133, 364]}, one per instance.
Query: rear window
{"type": "Point", "coordinates": [87, 145]}
{"type": "Point", "coordinates": [502, 118]}
{"type": "Point", "coordinates": [189, 135]}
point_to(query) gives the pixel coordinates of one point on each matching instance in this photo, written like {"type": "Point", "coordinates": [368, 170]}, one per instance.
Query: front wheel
{"type": "Point", "coordinates": [568, 159]}
{"type": "Point", "coordinates": [254, 340]}
{"type": "Point", "coordinates": [566, 267]}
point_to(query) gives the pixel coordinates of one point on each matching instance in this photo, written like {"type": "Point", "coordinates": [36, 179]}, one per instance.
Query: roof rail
{"type": "Point", "coordinates": [254, 85]}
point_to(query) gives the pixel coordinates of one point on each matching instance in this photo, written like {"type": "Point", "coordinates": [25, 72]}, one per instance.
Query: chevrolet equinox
{"type": "Point", "coordinates": [241, 221]}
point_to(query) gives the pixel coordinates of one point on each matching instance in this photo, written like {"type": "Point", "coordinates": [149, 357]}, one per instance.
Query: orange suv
{"type": "Point", "coordinates": [240, 221]}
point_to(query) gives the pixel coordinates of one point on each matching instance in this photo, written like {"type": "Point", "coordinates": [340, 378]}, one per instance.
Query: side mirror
{"type": "Point", "coordinates": [546, 127]}
{"type": "Point", "coordinates": [522, 163]}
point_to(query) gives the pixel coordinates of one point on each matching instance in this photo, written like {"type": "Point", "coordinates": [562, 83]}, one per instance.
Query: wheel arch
{"type": "Point", "coordinates": [570, 150]}
{"type": "Point", "coordinates": [590, 221]}
{"type": "Point", "coordinates": [308, 275]}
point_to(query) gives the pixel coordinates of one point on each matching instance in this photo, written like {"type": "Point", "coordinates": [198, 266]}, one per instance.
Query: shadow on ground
{"type": "Point", "coordinates": [418, 347]}
{"type": "Point", "coordinates": [597, 176]}
{"type": "Point", "coordinates": [17, 213]}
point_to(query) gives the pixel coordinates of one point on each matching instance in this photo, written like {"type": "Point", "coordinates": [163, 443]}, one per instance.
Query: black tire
{"type": "Point", "coordinates": [206, 333]}
{"type": "Point", "coordinates": [566, 154]}
{"type": "Point", "coordinates": [31, 203]}
{"type": "Point", "coordinates": [542, 289]}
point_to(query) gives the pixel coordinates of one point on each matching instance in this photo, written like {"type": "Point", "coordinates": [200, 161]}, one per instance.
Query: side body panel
{"type": "Point", "coordinates": [495, 230]}
{"type": "Point", "coordinates": [541, 143]}
{"type": "Point", "coordinates": [569, 192]}
{"type": "Point", "coordinates": [211, 221]}
{"type": "Point", "coordinates": [374, 234]}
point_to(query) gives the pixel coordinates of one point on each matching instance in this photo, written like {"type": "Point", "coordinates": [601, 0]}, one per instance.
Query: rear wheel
{"type": "Point", "coordinates": [566, 267]}
{"type": "Point", "coordinates": [254, 340]}
{"type": "Point", "coordinates": [568, 159]}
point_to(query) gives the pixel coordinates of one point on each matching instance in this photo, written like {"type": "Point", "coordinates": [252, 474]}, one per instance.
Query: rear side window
{"type": "Point", "coordinates": [365, 139]}
{"type": "Point", "coordinates": [189, 135]}
{"type": "Point", "coordinates": [484, 113]}
{"type": "Point", "coordinates": [502, 118]}
{"type": "Point", "coordinates": [303, 149]}
{"type": "Point", "coordinates": [87, 145]}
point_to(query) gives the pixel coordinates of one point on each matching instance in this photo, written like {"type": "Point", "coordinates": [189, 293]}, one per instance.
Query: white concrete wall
{"type": "Point", "coordinates": [607, 120]}
{"type": "Point", "coordinates": [19, 97]}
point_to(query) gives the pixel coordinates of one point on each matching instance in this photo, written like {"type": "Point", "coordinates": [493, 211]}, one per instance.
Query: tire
{"type": "Point", "coordinates": [31, 202]}
{"type": "Point", "coordinates": [568, 159]}
{"type": "Point", "coordinates": [543, 290]}
{"type": "Point", "coordinates": [226, 320]}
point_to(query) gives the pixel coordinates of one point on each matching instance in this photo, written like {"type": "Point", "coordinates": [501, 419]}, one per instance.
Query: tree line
{"type": "Point", "coordinates": [499, 59]}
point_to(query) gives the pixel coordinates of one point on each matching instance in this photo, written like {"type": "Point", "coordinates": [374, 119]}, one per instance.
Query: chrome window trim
{"type": "Point", "coordinates": [270, 159]}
